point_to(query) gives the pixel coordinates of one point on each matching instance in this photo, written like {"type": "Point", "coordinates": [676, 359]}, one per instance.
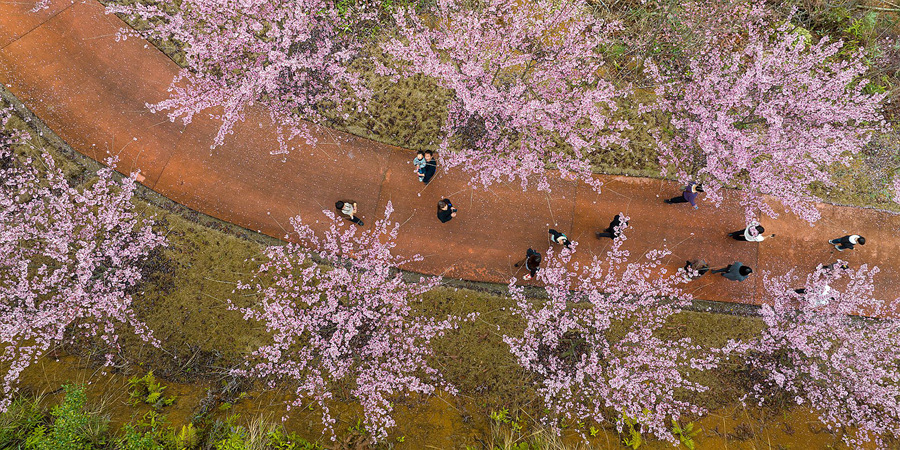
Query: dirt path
{"type": "Point", "coordinates": [65, 65]}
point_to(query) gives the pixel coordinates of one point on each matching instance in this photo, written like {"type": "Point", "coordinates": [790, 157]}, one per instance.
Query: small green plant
{"type": "Point", "coordinates": [401, 438]}
{"type": "Point", "coordinates": [187, 438]}
{"type": "Point", "coordinates": [280, 441]}
{"type": "Point", "coordinates": [863, 26]}
{"type": "Point", "coordinates": [148, 390]}
{"type": "Point", "coordinates": [20, 419]}
{"type": "Point", "coordinates": [73, 427]}
{"type": "Point", "coordinates": [630, 435]}
{"type": "Point", "coordinates": [234, 440]}
{"type": "Point", "coordinates": [358, 428]}
{"type": "Point", "coordinates": [685, 434]}
{"type": "Point", "coordinates": [501, 416]}
{"type": "Point", "coordinates": [594, 431]}
{"type": "Point", "coordinates": [149, 433]}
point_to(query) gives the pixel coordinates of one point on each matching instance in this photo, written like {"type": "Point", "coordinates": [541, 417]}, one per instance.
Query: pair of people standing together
{"type": "Point", "coordinates": [425, 168]}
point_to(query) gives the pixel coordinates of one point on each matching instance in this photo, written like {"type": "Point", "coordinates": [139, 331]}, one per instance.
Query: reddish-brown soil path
{"type": "Point", "coordinates": [65, 64]}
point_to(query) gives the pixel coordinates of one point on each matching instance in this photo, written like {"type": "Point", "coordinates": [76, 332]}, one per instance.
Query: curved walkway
{"type": "Point", "coordinates": [64, 63]}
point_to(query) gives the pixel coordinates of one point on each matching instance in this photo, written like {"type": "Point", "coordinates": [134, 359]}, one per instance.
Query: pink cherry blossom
{"type": "Point", "coordinates": [823, 355]}
{"type": "Point", "coordinates": [585, 373]}
{"type": "Point", "coordinates": [290, 56]}
{"type": "Point", "coordinates": [522, 73]}
{"type": "Point", "coordinates": [764, 108]}
{"type": "Point", "coordinates": [351, 322]}
{"type": "Point", "coordinates": [71, 257]}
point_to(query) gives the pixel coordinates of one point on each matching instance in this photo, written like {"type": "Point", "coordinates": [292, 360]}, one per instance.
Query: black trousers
{"type": "Point", "coordinates": [679, 199]}
{"type": "Point", "coordinates": [738, 235]}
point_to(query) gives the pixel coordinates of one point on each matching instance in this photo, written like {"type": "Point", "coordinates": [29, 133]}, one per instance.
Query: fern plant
{"type": "Point", "coordinates": [148, 390]}
{"type": "Point", "coordinates": [685, 434]}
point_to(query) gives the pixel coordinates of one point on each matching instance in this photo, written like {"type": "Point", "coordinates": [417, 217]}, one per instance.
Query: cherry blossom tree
{"type": "Point", "coordinates": [769, 111]}
{"type": "Point", "coordinates": [594, 344]}
{"type": "Point", "coordinates": [352, 323]}
{"type": "Point", "coordinates": [290, 56]}
{"type": "Point", "coordinates": [528, 80]}
{"type": "Point", "coordinates": [70, 257]}
{"type": "Point", "coordinates": [818, 349]}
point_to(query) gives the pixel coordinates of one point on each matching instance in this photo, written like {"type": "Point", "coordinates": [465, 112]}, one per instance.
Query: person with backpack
{"type": "Point", "coordinates": [558, 238]}
{"type": "Point", "coordinates": [690, 194]}
{"type": "Point", "coordinates": [847, 242]}
{"type": "Point", "coordinates": [430, 167]}
{"type": "Point", "coordinates": [348, 209]}
{"type": "Point", "coordinates": [532, 262]}
{"type": "Point", "coordinates": [735, 272]}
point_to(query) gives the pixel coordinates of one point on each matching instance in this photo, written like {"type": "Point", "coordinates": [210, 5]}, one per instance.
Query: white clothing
{"type": "Point", "coordinates": [757, 238]}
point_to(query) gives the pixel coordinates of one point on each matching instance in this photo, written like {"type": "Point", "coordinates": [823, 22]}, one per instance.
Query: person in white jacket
{"type": "Point", "coordinates": [753, 233]}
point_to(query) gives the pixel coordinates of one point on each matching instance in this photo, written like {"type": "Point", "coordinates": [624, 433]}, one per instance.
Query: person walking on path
{"type": "Point", "coordinates": [829, 269]}
{"type": "Point", "coordinates": [611, 231]}
{"type": "Point", "coordinates": [558, 238]}
{"type": "Point", "coordinates": [820, 300]}
{"type": "Point", "coordinates": [753, 233]}
{"type": "Point", "coordinates": [532, 262]}
{"type": "Point", "coordinates": [847, 242]}
{"type": "Point", "coordinates": [348, 208]}
{"type": "Point", "coordinates": [698, 265]}
{"type": "Point", "coordinates": [690, 194]}
{"type": "Point", "coordinates": [419, 162]}
{"type": "Point", "coordinates": [445, 210]}
{"type": "Point", "coordinates": [735, 272]}
{"type": "Point", "coordinates": [430, 167]}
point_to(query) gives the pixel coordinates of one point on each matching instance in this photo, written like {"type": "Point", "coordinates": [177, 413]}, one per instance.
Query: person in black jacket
{"type": "Point", "coordinates": [736, 271]}
{"type": "Point", "coordinates": [532, 262]}
{"type": "Point", "coordinates": [558, 238]}
{"type": "Point", "coordinates": [610, 231]}
{"type": "Point", "coordinates": [430, 167]}
{"type": "Point", "coordinates": [847, 242]}
{"type": "Point", "coordinates": [445, 210]}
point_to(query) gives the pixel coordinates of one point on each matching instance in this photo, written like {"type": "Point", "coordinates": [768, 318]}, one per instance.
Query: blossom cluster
{"type": "Point", "coordinates": [350, 323]}
{"type": "Point", "coordinates": [770, 112]}
{"type": "Point", "coordinates": [529, 85]}
{"type": "Point", "coordinates": [816, 349]}
{"type": "Point", "coordinates": [70, 258]}
{"type": "Point", "coordinates": [290, 56]}
{"type": "Point", "coordinates": [896, 188]}
{"type": "Point", "coordinates": [594, 344]}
